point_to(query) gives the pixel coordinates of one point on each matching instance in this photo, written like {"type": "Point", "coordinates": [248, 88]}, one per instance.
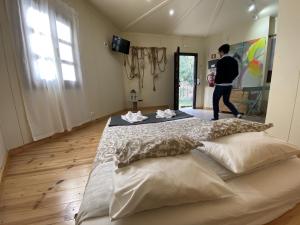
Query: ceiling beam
{"type": "Point", "coordinates": [214, 16]}
{"type": "Point", "coordinates": [148, 13]}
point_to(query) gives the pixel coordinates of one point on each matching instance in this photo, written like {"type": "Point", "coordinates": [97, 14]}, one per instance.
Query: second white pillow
{"type": "Point", "coordinates": [242, 153]}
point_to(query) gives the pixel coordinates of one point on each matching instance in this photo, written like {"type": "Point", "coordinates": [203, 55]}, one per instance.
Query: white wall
{"type": "Point", "coordinates": [244, 32]}
{"type": "Point", "coordinates": [102, 73]}
{"type": "Point", "coordinates": [164, 94]}
{"type": "Point", "coordinates": [284, 101]}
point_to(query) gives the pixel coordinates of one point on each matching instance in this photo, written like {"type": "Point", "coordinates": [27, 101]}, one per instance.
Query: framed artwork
{"type": "Point", "coordinates": [251, 56]}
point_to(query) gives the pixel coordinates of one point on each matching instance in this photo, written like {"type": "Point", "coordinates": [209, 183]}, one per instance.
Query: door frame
{"type": "Point", "coordinates": [195, 75]}
{"type": "Point", "coordinates": [176, 79]}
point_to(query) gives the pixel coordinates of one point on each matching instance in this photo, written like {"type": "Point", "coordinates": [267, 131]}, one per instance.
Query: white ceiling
{"type": "Point", "coordinates": [191, 18]}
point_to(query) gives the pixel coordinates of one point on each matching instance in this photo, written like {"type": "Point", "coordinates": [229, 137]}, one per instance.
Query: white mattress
{"type": "Point", "coordinates": [261, 197]}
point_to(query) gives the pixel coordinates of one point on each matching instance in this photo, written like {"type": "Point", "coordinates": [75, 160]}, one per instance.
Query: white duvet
{"type": "Point", "coordinates": [99, 190]}
{"type": "Point", "coordinates": [261, 197]}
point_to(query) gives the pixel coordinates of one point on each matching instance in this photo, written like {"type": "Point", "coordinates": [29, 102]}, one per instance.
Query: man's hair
{"type": "Point", "coordinates": [224, 48]}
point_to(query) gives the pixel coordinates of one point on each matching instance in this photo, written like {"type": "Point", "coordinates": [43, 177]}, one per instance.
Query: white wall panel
{"type": "Point", "coordinates": [281, 108]}
{"type": "Point", "coordinates": [294, 137]}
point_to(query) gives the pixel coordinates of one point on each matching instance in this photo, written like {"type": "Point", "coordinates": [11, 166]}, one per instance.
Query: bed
{"type": "Point", "coordinates": [260, 196]}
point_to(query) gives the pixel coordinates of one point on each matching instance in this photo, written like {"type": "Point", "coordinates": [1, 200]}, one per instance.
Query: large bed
{"type": "Point", "coordinates": [260, 196]}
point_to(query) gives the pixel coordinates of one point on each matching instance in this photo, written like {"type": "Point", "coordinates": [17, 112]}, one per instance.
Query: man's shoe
{"type": "Point", "coordinates": [213, 119]}
{"type": "Point", "coordinates": [239, 116]}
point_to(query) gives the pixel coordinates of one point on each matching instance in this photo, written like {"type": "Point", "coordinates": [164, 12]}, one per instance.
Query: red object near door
{"type": "Point", "coordinates": [211, 79]}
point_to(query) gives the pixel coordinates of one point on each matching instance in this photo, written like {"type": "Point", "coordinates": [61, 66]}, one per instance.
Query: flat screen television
{"type": "Point", "coordinates": [120, 45]}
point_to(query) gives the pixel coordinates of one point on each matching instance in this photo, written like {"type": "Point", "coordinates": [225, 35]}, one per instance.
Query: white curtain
{"type": "Point", "coordinates": [52, 86]}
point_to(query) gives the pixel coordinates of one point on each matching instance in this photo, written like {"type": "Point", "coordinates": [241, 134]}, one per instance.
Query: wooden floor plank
{"type": "Point", "coordinates": [31, 190]}
{"type": "Point", "coordinates": [44, 184]}
{"type": "Point", "coordinates": [45, 215]}
{"type": "Point", "coordinates": [46, 176]}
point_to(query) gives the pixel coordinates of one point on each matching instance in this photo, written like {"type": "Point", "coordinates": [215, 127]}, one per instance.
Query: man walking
{"type": "Point", "coordinates": [227, 71]}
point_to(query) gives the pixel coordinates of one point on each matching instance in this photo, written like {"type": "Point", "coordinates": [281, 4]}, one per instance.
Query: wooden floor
{"type": "Point", "coordinates": [44, 184]}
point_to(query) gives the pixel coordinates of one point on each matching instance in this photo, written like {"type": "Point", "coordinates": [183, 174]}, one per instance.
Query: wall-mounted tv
{"type": "Point", "coordinates": [120, 45]}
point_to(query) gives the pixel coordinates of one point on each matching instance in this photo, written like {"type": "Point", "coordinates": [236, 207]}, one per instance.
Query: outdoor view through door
{"type": "Point", "coordinates": [187, 80]}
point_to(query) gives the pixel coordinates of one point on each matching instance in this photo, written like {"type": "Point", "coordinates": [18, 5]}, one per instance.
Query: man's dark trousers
{"type": "Point", "coordinates": [223, 91]}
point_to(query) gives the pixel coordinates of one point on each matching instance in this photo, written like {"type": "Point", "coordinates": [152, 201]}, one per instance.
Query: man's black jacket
{"type": "Point", "coordinates": [227, 70]}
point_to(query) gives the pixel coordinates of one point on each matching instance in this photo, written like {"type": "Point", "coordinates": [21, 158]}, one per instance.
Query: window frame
{"type": "Point", "coordinates": [75, 64]}
{"type": "Point", "coordinates": [36, 80]}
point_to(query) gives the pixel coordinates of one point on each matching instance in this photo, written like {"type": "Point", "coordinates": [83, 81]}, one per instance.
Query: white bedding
{"type": "Point", "coordinates": [245, 152]}
{"type": "Point", "coordinates": [98, 192]}
{"type": "Point", "coordinates": [165, 181]}
{"type": "Point", "coordinates": [262, 197]}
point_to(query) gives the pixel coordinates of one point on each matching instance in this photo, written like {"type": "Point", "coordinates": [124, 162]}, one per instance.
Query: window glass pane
{"type": "Point", "coordinates": [38, 21]}
{"type": "Point", "coordinates": [45, 69]}
{"type": "Point", "coordinates": [63, 31]}
{"type": "Point", "coordinates": [65, 52]}
{"type": "Point", "coordinates": [68, 72]}
{"type": "Point", "coordinates": [41, 45]}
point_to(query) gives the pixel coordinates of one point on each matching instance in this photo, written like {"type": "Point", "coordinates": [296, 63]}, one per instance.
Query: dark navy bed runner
{"type": "Point", "coordinates": [118, 121]}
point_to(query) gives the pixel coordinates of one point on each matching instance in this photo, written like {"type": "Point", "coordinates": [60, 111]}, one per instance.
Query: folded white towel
{"type": "Point", "coordinates": [168, 113]}
{"type": "Point", "coordinates": [131, 117]}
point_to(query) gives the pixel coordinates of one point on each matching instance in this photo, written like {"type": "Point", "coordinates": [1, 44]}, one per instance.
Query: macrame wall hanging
{"type": "Point", "coordinates": [134, 63]}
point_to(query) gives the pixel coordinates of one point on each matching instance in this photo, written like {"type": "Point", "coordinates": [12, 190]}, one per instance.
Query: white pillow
{"type": "Point", "coordinates": [167, 181]}
{"type": "Point", "coordinates": [242, 153]}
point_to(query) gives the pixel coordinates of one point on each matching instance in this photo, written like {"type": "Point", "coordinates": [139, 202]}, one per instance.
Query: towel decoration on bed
{"type": "Point", "coordinates": [131, 117]}
{"type": "Point", "coordinates": [168, 114]}
{"type": "Point", "coordinates": [118, 121]}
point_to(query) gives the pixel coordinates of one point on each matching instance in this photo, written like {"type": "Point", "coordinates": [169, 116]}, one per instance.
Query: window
{"type": "Point", "coordinates": [52, 47]}
{"type": "Point", "coordinates": [41, 46]}
{"type": "Point", "coordinates": [65, 46]}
